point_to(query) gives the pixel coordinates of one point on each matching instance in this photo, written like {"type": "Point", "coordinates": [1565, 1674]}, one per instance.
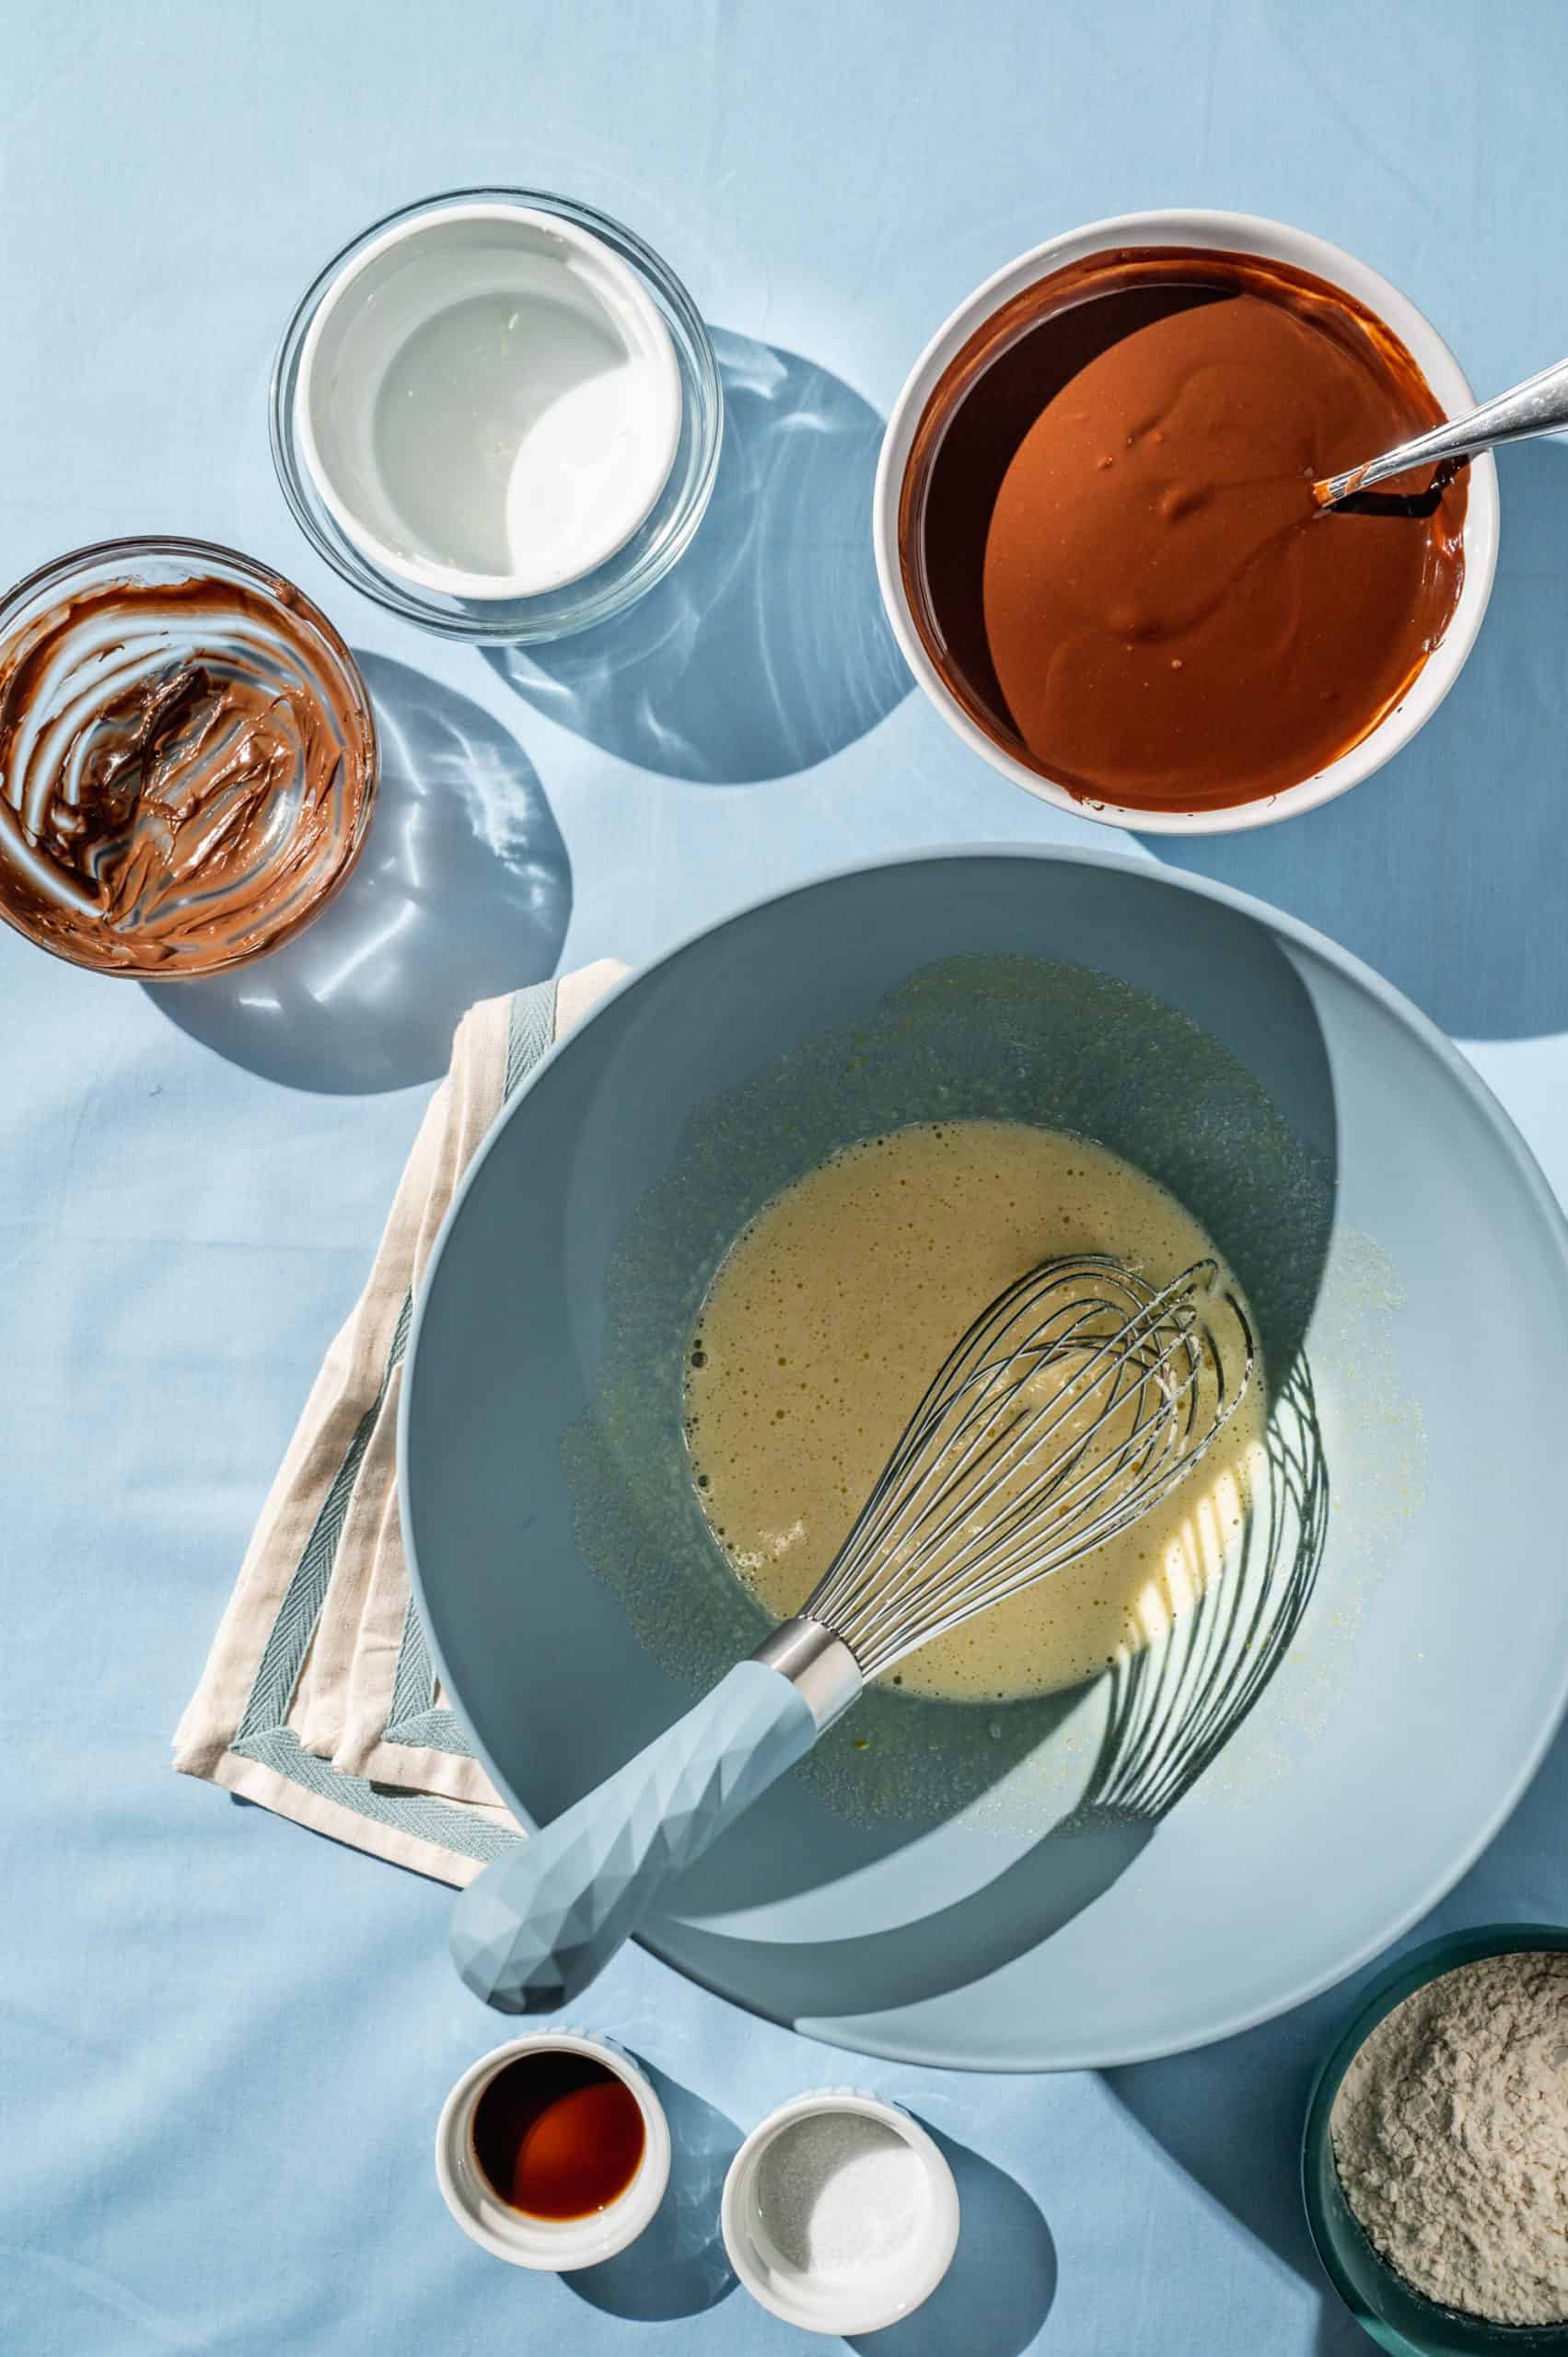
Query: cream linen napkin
{"type": "Point", "coordinates": [319, 1699]}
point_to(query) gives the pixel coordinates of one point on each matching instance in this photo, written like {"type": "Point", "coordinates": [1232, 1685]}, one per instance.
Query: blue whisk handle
{"type": "Point", "coordinates": [539, 1924]}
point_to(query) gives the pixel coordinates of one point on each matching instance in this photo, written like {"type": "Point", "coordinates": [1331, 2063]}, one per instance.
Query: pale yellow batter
{"type": "Point", "coordinates": [828, 1318]}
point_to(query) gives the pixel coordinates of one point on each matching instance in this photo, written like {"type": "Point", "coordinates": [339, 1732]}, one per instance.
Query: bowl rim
{"type": "Point", "coordinates": [126, 547]}
{"type": "Point", "coordinates": [1404, 1977]}
{"type": "Point", "coordinates": [1299, 935]}
{"type": "Point", "coordinates": [1225, 231]}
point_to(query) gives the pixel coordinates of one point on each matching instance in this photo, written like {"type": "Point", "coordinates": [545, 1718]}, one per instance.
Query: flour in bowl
{"type": "Point", "coordinates": [1450, 2133]}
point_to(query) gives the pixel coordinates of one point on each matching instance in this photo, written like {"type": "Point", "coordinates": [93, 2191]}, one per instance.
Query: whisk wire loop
{"type": "Point", "coordinates": [1073, 1405]}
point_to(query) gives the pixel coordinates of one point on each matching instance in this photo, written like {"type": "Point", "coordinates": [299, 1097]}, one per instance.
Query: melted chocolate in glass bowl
{"type": "Point", "coordinates": [186, 771]}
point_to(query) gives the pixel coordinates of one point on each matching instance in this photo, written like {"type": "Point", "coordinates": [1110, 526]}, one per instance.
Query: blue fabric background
{"type": "Point", "coordinates": [223, 2042]}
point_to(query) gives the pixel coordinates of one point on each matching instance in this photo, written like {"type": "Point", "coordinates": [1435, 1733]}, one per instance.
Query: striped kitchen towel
{"type": "Point", "coordinates": [320, 1698]}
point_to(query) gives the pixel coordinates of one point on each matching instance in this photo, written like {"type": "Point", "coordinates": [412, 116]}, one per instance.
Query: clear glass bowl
{"type": "Point", "coordinates": [636, 565]}
{"type": "Point", "coordinates": [1396, 2317]}
{"type": "Point", "coordinates": [249, 845]}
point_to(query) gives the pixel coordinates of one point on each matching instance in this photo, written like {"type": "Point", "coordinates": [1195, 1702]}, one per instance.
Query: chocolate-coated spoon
{"type": "Point", "coordinates": [1538, 406]}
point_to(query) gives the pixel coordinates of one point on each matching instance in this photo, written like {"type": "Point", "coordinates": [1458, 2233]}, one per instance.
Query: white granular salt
{"type": "Point", "coordinates": [840, 2194]}
{"type": "Point", "coordinates": [1450, 2133]}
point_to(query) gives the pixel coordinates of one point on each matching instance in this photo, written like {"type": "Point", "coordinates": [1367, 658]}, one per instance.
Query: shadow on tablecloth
{"type": "Point", "coordinates": [766, 650]}
{"type": "Point", "coordinates": [1231, 2116]}
{"type": "Point", "coordinates": [680, 2266]}
{"type": "Point", "coordinates": [463, 892]}
{"type": "Point", "coordinates": [1445, 871]}
{"type": "Point", "coordinates": [998, 2292]}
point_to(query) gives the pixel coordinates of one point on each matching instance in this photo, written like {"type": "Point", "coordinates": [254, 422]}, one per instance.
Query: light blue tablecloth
{"type": "Point", "coordinates": [223, 2041]}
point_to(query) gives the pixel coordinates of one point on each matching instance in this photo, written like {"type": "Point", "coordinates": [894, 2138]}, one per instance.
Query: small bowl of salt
{"type": "Point", "coordinates": [1434, 2162]}
{"type": "Point", "coordinates": [840, 2212]}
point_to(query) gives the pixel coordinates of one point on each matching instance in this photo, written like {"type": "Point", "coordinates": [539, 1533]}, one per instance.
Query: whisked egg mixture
{"type": "Point", "coordinates": [828, 1318]}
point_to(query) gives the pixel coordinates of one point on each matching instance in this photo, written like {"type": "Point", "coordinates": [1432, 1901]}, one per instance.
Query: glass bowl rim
{"type": "Point", "coordinates": [553, 614]}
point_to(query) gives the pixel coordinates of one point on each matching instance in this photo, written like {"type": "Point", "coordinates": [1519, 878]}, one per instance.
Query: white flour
{"type": "Point", "coordinates": [1450, 2130]}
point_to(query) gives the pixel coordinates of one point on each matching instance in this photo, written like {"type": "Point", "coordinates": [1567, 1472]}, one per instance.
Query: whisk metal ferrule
{"type": "Point", "coordinates": [817, 1664]}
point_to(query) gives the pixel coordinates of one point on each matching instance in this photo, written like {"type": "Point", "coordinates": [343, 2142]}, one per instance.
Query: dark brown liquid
{"type": "Point", "coordinates": [558, 2135]}
{"type": "Point", "coordinates": [1109, 541]}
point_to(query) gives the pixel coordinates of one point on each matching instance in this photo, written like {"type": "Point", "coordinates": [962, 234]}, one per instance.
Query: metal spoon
{"type": "Point", "coordinates": [1538, 406]}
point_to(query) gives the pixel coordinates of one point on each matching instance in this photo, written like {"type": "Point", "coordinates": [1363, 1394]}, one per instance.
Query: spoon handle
{"type": "Point", "coordinates": [1538, 406]}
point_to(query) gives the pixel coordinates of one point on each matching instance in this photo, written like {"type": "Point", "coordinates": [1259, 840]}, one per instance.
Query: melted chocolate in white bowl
{"type": "Point", "coordinates": [186, 759]}
{"type": "Point", "coordinates": [1109, 541]}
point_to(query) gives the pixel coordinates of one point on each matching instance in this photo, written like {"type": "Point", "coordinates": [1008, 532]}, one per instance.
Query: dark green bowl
{"type": "Point", "coordinates": [1382, 2302]}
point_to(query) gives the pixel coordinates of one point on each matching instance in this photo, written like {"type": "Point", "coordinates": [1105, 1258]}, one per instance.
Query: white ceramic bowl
{"type": "Point", "coordinates": [1244, 233]}
{"type": "Point", "coordinates": [556, 2246]}
{"type": "Point", "coordinates": [864, 2302]}
{"type": "Point", "coordinates": [473, 341]}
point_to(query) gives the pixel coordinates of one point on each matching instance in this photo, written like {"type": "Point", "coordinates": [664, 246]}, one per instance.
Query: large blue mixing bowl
{"type": "Point", "coordinates": [1210, 1832]}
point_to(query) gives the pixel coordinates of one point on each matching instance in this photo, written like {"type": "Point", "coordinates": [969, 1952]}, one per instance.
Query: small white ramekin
{"type": "Point", "coordinates": [817, 2305]}
{"type": "Point", "coordinates": [1245, 233]}
{"type": "Point", "coordinates": [556, 2246]}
